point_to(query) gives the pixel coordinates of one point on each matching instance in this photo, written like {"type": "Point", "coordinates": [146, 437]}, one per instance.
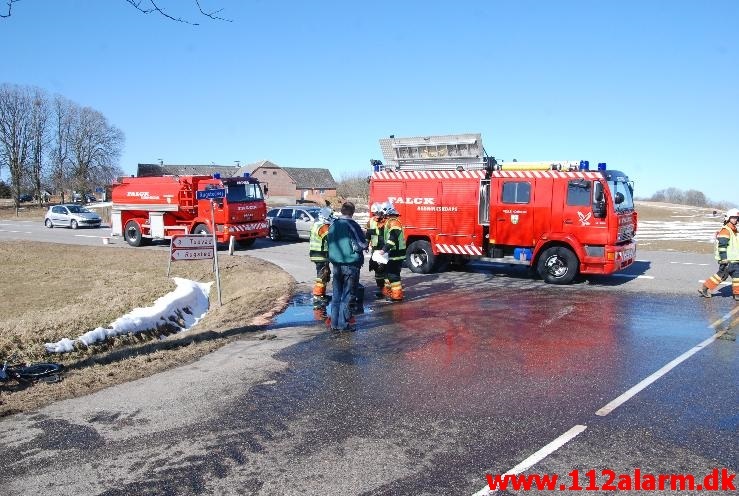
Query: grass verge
{"type": "Point", "coordinates": [53, 291]}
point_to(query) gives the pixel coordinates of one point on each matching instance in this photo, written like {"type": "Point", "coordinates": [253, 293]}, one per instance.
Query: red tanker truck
{"type": "Point", "coordinates": [158, 207]}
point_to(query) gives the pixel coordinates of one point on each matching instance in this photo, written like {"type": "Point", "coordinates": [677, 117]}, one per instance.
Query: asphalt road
{"type": "Point", "coordinates": [477, 372]}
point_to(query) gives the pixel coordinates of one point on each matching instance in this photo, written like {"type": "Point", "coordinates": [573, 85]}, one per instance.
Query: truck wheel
{"type": "Point", "coordinates": [558, 265]}
{"type": "Point", "coordinates": [132, 233]}
{"type": "Point", "coordinates": [246, 243]}
{"type": "Point", "coordinates": [274, 234]}
{"type": "Point", "coordinates": [201, 229]}
{"type": "Point", "coordinates": [420, 258]}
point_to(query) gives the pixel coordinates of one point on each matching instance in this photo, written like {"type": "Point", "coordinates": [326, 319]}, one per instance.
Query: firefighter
{"type": "Point", "coordinates": [727, 255]}
{"type": "Point", "coordinates": [376, 240]}
{"type": "Point", "coordinates": [394, 248]}
{"type": "Point", "coordinates": [319, 254]}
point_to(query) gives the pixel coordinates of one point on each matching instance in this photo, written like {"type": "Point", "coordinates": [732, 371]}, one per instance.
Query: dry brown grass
{"type": "Point", "coordinates": [26, 211]}
{"type": "Point", "coordinates": [666, 211]}
{"type": "Point", "coordinates": [53, 291]}
{"type": "Point", "coordinates": [663, 212]}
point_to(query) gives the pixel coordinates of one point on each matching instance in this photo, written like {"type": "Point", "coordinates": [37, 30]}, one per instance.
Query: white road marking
{"type": "Point", "coordinates": [88, 236]}
{"type": "Point", "coordinates": [631, 276]}
{"type": "Point", "coordinates": [15, 232]}
{"type": "Point", "coordinates": [538, 456]}
{"type": "Point", "coordinates": [689, 263]}
{"type": "Point", "coordinates": [677, 361]}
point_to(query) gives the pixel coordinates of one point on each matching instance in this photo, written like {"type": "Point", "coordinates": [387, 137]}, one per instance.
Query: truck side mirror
{"type": "Point", "coordinates": [599, 205]}
{"type": "Point", "coordinates": [598, 192]}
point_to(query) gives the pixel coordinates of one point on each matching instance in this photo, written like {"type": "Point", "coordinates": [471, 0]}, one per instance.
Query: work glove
{"type": "Point", "coordinates": [722, 265]}
{"type": "Point", "coordinates": [723, 262]}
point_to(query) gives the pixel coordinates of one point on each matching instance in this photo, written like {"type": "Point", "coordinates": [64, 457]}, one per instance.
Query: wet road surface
{"type": "Point", "coordinates": [429, 395]}
{"type": "Point", "coordinates": [471, 375]}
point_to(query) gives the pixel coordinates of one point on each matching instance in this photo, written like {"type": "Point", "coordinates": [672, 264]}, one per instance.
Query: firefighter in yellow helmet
{"type": "Point", "coordinates": [376, 240]}
{"type": "Point", "coordinates": [394, 248]}
{"type": "Point", "coordinates": [319, 253]}
{"type": "Point", "coordinates": [727, 255]}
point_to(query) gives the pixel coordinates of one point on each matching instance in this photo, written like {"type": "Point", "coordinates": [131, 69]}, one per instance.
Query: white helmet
{"type": "Point", "coordinates": [389, 209]}
{"type": "Point", "coordinates": [732, 212]}
{"type": "Point", "coordinates": [376, 208]}
{"type": "Point", "coordinates": [326, 215]}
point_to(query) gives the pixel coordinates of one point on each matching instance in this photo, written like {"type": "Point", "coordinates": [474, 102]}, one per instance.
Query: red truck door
{"type": "Point", "coordinates": [577, 212]}
{"type": "Point", "coordinates": [512, 219]}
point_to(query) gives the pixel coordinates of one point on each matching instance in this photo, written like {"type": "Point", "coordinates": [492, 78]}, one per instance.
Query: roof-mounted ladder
{"type": "Point", "coordinates": [451, 152]}
{"type": "Point", "coordinates": [445, 152]}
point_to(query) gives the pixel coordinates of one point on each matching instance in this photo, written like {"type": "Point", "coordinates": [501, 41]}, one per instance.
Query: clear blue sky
{"type": "Point", "coordinates": [651, 87]}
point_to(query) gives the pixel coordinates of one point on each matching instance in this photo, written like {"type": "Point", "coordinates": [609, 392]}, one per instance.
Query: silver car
{"type": "Point", "coordinates": [73, 216]}
{"type": "Point", "coordinates": [292, 221]}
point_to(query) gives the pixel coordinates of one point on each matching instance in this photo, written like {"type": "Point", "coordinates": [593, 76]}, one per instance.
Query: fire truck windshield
{"type": "Point", "coordinates": [243, 192]}
{"type": "Point", "coordinates": [621, 190]}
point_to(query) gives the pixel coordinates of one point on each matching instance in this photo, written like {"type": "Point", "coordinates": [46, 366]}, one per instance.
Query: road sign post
{"type": "Point", "coordinates": [212, 195]}
{"type": "Point", "coordinates": [196, 247]}
{"type": "Point", "coordinates": [215, 245]}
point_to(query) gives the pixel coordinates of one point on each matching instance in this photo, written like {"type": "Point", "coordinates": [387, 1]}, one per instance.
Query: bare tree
{"type": "Point", "coordinates": [63, 112]}
{"type": "Point", "coordinates": [39, 139]}
{"type": "Point", "coordinates": [95, 147]}
{"type": "Point", "coordinates": [152, 7]}
{"type": "Point", "coordinates": [355, 186]}
{"type": "Point", "coordinates": [145, 7]}
{"type": "Point", "coordinates": [695, 198]}
{"type": "Point", "coordinates": [7, 12]}
{"type": "Point", "coordinates": [16, 107]}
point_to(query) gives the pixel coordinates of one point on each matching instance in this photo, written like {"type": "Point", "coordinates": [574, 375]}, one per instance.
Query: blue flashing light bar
{"type": "Point", "coordinates": [216, 175]}
{"type": "Point", "coordinates": [601, 166]}
{"type": "Point", "coordinates": [584, 165]}
{"type": "Point", "coordinates": [246, 175]}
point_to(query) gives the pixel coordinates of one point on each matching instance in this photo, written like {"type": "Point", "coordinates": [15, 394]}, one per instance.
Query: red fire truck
{"type": "Point", "coordinates": [147, 208]}
{"type": "Point", "coordinates": [458, 204]}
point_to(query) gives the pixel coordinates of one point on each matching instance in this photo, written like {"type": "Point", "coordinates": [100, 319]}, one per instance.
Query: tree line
{"type": "Point", "coordinates": [50, 143]}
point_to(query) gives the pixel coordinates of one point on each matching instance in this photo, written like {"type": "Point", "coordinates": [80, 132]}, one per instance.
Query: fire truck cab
{"type": "Point", "coordinates": [458, 204]}
{"type": "Point", "coordinates": [159, 207]}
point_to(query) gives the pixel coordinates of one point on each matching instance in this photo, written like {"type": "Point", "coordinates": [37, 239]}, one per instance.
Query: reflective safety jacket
{"type": "Point", "coordinates": [727, 244]}
{"type": "Point", "coordinates": [394, 237]}
{"type": "Point", "coordinates": [375, 234]}
{"type": "Point", "coordinates": [319, 242]}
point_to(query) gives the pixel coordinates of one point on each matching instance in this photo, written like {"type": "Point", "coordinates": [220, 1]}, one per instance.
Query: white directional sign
{"type": "Point", "coordinates": [193, 254]}
{"type": "Point", "coordinates": [192, 241]}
